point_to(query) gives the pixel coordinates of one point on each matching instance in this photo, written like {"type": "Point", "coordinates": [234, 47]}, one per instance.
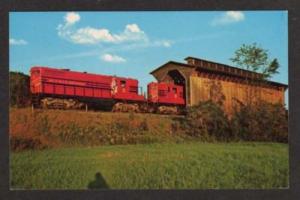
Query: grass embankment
{"type": "Point", "coordinates": [58, 128]}
{"type": "Point", "coordinates": [189, 165]}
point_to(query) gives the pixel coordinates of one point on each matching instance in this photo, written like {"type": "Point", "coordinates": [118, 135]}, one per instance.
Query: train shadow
{"type": "Point", "coordinates": [98, 183]}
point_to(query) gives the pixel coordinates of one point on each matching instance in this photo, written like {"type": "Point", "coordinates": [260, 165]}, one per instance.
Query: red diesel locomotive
{"type": "Point", "coordinates": [65, 89]}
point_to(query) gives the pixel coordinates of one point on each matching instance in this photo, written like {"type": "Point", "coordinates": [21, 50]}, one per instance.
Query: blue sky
{"type": "Point", "coordinates": [132, 44]}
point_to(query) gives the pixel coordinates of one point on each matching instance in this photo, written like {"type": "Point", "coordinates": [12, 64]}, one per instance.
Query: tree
{"type": "Point", "coordinates": [254, 58]}
{"type": "Point", "coordinates": [271, 69]}
{"type": "Point", "coordinates": [19, 94]}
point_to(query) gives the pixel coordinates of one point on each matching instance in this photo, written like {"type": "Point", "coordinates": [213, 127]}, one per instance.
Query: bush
{"type": "Point", "coordinates": [207, 121]}
{"type": "Point", "coordinates": [19, 143]}
{"type": "Point", "coordinates": [144, 125]}
{"type": "Point", "coordinates": [261, 121]}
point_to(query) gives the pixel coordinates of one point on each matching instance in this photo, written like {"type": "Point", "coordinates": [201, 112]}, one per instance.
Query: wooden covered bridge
{"type": "Point", "coordinates": [204, 80]}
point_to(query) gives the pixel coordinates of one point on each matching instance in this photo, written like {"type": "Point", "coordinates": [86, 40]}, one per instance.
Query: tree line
{"type": "Point", "coordinates": [19, 89]}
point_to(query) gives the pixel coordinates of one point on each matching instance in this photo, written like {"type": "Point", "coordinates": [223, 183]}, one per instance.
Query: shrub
{"type": "Point", "coordinates": [174, 127]}
{"type": "Point", "coordinates": [144, 125]}
{"type": "Point", "coordinates": [19, 143]}
{"type": "Point", "coordinates": [120, 126]}
{"type": "Point", "coordinates": [207, 121]}
{"type": "Point", "coordinates": [260, 121]}
{"type": "Point", "coordinates": [43, 125]}
{"type": "Point", "coordinates": [131, 116]}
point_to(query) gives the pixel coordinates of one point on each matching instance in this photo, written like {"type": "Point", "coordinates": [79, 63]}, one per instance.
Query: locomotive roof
{"type": "Point", "coordinates": [219, 68]}
{"type": "Point", "coordinates": [67, 70]}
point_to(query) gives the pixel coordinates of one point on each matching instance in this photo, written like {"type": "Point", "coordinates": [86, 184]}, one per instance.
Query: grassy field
{"type": "Point", "coordinates": [164, 166]}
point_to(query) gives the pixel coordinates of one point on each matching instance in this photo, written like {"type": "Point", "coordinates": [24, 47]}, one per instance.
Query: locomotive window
{"type": "Point", "coordinates": [123, 83]}
{"type": "Point", "coordinates": [175, 90]}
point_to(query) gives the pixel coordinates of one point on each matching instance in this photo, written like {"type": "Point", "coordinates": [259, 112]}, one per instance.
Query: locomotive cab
{"type": "Point", "coordinates": [126, 89]}
{"type": "Point", "coordinates": [35, 78]}
{"type": "Point", "coordinates": [166, 93]}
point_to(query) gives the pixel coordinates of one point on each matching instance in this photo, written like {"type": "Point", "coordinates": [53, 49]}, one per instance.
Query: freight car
{"type": "Point", "coordinates": [65, 89]}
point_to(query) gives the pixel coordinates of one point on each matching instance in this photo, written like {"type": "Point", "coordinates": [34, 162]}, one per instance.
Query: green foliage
{"type": "Point", "coordinates": [158, 166]}
{"type": "Point", "coordinates": [271, 69]}
{"type": "Point", "coordinates": [19, 93]}
{"type": "Point", "coordinates": [255, 58]}
{"type": "Point", "coordinates": [207, 121]}
{"type": "Point", "coordinates": [261, 121]}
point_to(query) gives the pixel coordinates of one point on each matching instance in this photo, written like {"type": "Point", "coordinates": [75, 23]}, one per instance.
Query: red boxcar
{"type": "Point", "coordinates": [50, 81]}
{"type": "Point", "coordinates": [166, 93]}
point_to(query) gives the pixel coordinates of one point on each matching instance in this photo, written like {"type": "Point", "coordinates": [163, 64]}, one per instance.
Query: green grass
{"type": "Point", "coordinates": [156, 166]}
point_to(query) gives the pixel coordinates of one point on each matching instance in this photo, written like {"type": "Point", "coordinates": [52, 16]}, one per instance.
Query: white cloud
{"type": "Point", "coordinates": [133, 28]}
{"type": "Point", "coordinates": [112, 58]}
{"type": "Point", "coordinates": [13, 41]}
{"type": "Point", "coordinates": [235, 15]}
{"type": "Point", "coordinates": [90, 35]}
{"type": "Point", "coordinates": [132, 35]}
{"type": "Point", "coordinates": [72, 18]}
{"type": "Point", "coordinates": [228, 17]}
{"type": "Point", "coordinates": [164, 43]}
